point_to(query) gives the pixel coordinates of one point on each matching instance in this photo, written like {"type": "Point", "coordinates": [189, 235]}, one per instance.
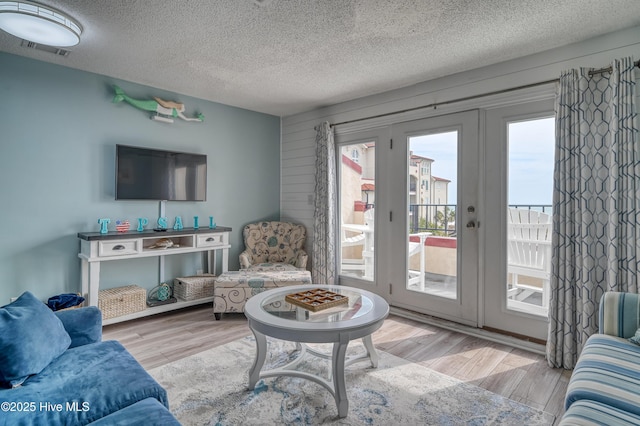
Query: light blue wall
{"type": "Point", "coordinates": [58, 131]}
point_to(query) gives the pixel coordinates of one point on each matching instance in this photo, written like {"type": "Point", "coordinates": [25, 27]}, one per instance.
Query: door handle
{"type": "Point", "coordinates": [471, 224]}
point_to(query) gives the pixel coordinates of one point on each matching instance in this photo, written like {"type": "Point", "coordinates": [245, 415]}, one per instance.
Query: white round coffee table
{"type": "Point", "coordinates": [269, 315]}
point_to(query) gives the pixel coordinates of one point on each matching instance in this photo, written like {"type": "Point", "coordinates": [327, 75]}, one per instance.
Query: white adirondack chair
{"type": "Point", "coordinates": [365, 265]}
{"type": "Point", "coordinates": [529, 250]}
{"type": "Point", "coordinates": [417, 276]}
{"type": "Point", "coordinates": [363, 237]}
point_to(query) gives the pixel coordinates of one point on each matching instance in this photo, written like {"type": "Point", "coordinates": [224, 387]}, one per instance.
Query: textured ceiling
{"type": "Point", "coordinates": [287, 56]}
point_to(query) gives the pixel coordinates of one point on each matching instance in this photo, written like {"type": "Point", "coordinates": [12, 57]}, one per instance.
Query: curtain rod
{"type": "Point", "coordinates": [609, 69]}
{"type": "Point", "coordinates": [468, 98]}
{"type": "Point", "coordinates": [437, 104]}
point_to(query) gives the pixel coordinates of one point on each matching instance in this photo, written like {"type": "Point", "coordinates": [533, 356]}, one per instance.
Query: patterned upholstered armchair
{"type": "Point", "coordinates": [274, 246]}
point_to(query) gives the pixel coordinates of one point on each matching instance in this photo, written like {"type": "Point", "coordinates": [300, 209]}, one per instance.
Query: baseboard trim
{"type": "Point", "coordinates": [515, 342]}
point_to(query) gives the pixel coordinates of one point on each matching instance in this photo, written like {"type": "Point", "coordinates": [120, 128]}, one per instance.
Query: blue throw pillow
{"type": "Point", "coordinates": [636, 337]}
{"type": "Point", "coordinates": [31, 336]}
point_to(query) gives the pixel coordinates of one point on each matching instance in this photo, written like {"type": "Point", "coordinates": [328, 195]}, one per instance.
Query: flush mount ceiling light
{"type": "Point", "coordinates": [39, 24]}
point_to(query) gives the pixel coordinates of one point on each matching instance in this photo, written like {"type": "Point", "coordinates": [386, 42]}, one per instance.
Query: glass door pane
{"type": "Point", "coordinates": [432, 194]}
{"type": "Point", "coordinates": [530, 187]}
{"type": "Point", "coordinates": [357, 202]}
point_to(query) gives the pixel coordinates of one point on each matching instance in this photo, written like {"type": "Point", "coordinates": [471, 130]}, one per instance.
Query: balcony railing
{"type": "Point", "coordinates": [544, 208]}
{"type": "Point", "coordinates": [440, 219]}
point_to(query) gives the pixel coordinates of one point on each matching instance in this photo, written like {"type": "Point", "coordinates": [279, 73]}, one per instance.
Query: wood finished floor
{"type": "Point", "coordinates": [514, 373]}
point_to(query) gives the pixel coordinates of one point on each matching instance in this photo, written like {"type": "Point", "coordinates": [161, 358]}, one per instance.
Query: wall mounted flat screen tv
{"type": "Point", "coordinates": [152, 174]}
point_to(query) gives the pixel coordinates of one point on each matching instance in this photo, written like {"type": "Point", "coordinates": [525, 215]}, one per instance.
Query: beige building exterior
{"type": "Point", "coordinates": [357, 178]}
{"type": "Point", "coordinates": [425, 189]}
{"type": "Point", "coordinates": [357, 194]}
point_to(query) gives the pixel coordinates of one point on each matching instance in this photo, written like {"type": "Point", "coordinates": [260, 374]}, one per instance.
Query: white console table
{"type": "Point", "coordinates": [96, 248]}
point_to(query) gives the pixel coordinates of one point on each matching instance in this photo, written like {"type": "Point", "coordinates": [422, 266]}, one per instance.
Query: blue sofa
{"type": "Point", "coordinates": [48, 378]}
{"type": "Point", "coordinates": [604, 388]}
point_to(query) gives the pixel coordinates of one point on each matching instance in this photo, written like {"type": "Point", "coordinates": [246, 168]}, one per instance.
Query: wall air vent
{"type": "Point", "coordinates": [51, 49]}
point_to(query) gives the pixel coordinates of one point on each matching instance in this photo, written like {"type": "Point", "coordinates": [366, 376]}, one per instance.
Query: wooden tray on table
{"type": "Point", "coordinates": [317, 299]}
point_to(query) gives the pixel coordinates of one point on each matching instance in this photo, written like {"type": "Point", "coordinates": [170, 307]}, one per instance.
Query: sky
{"type": "Point", "coordinates": [531, 150]}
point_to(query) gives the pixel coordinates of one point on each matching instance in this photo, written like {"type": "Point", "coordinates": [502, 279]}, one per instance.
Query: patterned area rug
{"type": "Point", "coordinates": [210, 388]}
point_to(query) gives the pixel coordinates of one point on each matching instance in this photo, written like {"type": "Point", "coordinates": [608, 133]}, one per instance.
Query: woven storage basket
{"type": "Point", "coordinates": [195, 287]}
{"type": "Point", "coordinates": [115, 302]}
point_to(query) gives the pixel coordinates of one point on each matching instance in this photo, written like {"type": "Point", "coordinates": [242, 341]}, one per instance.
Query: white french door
{"type": "Point", "coordinates": [434, 184]}
{"type": "Point", "coordinates": [517, 226]}
{"type": "Point", "coordinates": [430, 209]}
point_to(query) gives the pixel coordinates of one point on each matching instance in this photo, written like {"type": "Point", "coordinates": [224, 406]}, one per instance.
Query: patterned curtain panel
{"type": "Point", "coordinates": [596, 207]}
{"type": "Point", "coordinates": [323, 270]}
